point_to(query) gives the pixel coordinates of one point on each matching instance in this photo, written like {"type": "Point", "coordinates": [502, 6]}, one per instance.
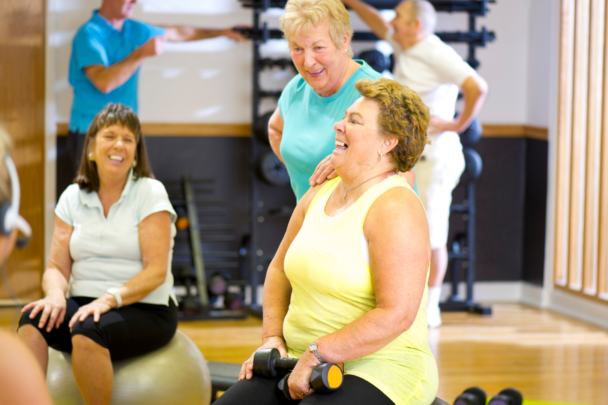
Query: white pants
{"type": "Point", "coordinates": [437, 174]}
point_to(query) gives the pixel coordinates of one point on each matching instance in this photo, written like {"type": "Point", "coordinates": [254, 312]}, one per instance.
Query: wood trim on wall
{"type": "Point", "coordinates": [193, 129]}
{"type": "Point", "coordinates": [244, 130]}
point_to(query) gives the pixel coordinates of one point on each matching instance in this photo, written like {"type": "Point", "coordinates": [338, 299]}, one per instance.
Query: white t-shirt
{"type": "Point", "coordinates": [105, 251]}
{"type": "Point", "coordinates": [435, 71]}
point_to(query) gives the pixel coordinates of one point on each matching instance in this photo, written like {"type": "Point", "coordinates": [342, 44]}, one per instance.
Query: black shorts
{"type": "Point", "coordinates": [126, 332]}
{"type": "Point", "coordinates": [260, 390]}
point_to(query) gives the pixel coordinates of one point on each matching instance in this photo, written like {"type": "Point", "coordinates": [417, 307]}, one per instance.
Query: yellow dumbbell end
{"type": "Point", "coordinates": [334, 376]}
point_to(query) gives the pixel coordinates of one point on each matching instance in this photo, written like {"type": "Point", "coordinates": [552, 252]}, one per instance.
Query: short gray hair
{"type": "Point", "coordinates": [301, 15]}
{"type": "Point", "coordinates": [424, 11]}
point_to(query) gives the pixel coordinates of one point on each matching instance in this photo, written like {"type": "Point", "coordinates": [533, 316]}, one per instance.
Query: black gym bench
{"type": "Point", "coordinates": [225, 375]}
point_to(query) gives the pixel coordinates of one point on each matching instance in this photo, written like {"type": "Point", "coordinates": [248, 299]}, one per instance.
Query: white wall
{"type": "Point", "coordinates": [204, 81]}
{"type": "Point", "coordinates": [542, 26]}
{"type": "Point", "coordinates": [210, 81]}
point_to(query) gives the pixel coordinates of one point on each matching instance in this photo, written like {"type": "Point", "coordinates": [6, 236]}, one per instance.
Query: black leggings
{"type": "Point", "coordinates": [126, 332]}
{"type": "Point", "coordinates": [260, 390]}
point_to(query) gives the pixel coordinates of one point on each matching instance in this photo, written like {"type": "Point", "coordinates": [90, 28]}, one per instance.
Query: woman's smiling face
{"type": "Point", "coordinates": [114, 152]}
{"type": "Point", "coordinates": [358, 138]}
{"type": "Point", "coordinates": [318, 60]}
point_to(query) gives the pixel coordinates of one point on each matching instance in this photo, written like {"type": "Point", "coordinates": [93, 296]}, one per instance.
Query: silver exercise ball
{"type": "Point", "coordinates": [175, 374]}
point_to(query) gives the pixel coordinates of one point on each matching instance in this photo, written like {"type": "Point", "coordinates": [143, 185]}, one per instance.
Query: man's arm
{"type": "Point", "coordinates": [370, 16]}
{"type": "Point", "coordinates": [183, 34]}
{"type": "Point", "coordinates": [108, 78]}
{"type": "Point", "coordinates": [474, 91]}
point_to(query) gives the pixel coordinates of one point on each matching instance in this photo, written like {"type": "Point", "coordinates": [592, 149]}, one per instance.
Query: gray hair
{"type": "Point", "coordinates": [424, 11]}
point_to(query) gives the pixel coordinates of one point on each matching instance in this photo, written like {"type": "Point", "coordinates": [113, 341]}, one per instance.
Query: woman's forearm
{"type": "Point", "coordinates": [364, 336]}
{"type": "Point", "coordinates": [54, 282]}
{"type": "Point", "coordinates": [277, 292]}
{"type": "Point", "coordinates": [140, 286]}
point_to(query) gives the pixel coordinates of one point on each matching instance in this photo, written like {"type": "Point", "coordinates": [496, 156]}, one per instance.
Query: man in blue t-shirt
{"type": "Point", "coordinates": [107, 53]}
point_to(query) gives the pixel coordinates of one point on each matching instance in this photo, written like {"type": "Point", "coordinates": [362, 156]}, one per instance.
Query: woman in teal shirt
{"type": "Point", "coordinates": [301, 129]}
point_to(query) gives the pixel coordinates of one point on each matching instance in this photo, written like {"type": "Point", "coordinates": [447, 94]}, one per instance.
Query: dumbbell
{"type": "Point", "coordinates": [508, 396]}
{"type": "Point", "coordinates": [376, 60]}
{"type": "Point", "coordinates": [471, 396]}
{"type": "Point", "coordinates": [473, 166]}
{"type": "Point", "coordinates": [218, 283]}
{"type": "Point", "coordinates": [272, 170]}
{"type": "Point", "coordinates": [470, 136]}
{"type": "Point", "coordinates": [325, 377]}
{"type": "Point", "coordinates": [233, 301]}
{"type": "Point", "coordinates": [182, 222]}
{"type": "Point", "coordinates": [261, 128]}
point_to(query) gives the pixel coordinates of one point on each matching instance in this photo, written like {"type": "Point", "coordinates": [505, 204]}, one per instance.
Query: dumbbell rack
{"type": "Point", "coordinates": [270, 205]}
{"type": "Point", "coordinates": [206, 231]}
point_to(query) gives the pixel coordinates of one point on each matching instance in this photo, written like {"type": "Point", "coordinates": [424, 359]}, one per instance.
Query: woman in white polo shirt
{"type": "Point", "coordinates": [111, 254]}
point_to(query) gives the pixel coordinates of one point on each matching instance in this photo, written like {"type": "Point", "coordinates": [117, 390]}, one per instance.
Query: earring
{"type": "Point", "coordinates": [134, 163]}
{"type": "Point", "coordinates": [380, 153]}
{"type": "Point", "coordinates": [91, 158]}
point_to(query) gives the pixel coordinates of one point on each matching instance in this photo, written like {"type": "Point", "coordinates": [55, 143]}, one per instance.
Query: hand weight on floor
{"type": "Point", "coordinates": [272, 170]}
{"type": "Point", "coordinates": [508, 396]}
{"type": "Point", "coordinates": [471, 396]}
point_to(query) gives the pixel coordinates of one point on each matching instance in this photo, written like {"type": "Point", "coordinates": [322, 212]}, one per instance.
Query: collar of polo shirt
{"type": "Point", "coordinates": [92, 199]}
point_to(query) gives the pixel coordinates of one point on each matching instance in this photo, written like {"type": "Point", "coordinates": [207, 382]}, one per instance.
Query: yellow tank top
{"type": "Point", "coordinates": [332, 286]}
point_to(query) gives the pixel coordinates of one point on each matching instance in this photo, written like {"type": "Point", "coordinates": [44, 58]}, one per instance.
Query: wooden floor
{"type": "Point", "coordinates": [547, 356]}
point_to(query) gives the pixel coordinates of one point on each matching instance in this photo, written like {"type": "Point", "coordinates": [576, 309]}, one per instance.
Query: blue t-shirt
{"type": "Point", "coordinates": [309, 119]}
{"type": "Point", "coordinates": [98, 43]}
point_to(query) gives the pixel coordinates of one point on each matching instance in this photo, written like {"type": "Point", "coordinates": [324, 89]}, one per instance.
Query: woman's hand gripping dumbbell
{"type": "Point", "coordinates": [324, 378]}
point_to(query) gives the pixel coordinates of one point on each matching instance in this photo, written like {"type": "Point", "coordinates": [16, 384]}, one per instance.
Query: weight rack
{"type": "Point", "coordinates": [463, 251]}
{"type": "Point", "coordinates": [204, 246]}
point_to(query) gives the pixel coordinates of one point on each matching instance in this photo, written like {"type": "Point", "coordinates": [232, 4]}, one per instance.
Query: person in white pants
{"type": "Point", "coordinates": [436, 72]}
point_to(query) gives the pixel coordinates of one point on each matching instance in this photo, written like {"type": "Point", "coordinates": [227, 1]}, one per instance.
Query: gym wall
{"type": "Point", "coordinates": [210, 83]}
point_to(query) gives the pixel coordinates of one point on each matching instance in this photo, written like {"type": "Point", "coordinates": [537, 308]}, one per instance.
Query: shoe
{"type": "Point", "coordinates": [433, 317]}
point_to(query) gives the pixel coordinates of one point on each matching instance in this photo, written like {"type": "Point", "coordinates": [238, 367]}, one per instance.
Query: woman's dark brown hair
{"type": "Point", "coordinates": [112, 114]}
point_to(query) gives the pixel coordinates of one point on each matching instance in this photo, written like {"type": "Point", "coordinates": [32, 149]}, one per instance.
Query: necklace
{"type": "Point", "coordinates": [354, 188]}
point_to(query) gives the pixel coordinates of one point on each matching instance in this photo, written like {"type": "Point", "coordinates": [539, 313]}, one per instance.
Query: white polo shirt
{"type": "Point", "coordinates": [435, 71]}
{"type": "Point", "coordinates": [105, 251]}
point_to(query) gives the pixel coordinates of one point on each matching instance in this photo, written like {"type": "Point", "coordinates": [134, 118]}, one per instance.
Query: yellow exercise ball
{"type": "Point", "coordinates": [175, 374]}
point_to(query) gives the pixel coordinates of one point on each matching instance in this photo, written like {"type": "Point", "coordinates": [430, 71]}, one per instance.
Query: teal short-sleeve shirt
{"type": "Point", "coordinates": [308, 131]}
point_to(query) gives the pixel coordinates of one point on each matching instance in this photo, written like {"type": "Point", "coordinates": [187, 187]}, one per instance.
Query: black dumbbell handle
{"type": "Point", "coordinates": [285, 364]}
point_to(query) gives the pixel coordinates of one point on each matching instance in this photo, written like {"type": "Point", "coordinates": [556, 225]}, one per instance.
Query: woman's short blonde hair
{"type": "Point", "coordinates": [6, 145]}
{"type": "Point", "coordinates": [302, 15]}
{"type": "Point", "coordinates": [403, 115]}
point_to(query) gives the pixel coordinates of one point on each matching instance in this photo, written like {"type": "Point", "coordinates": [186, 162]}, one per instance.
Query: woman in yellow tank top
{"type": "Point", "coordinates": [348, 282]}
